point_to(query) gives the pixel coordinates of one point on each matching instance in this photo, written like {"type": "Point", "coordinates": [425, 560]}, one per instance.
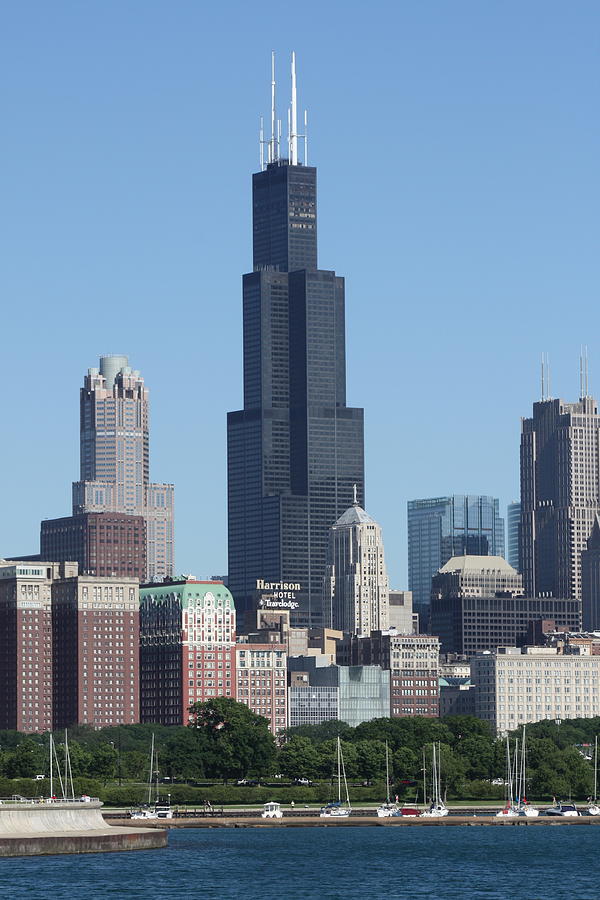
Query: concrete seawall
{"type": "Point", "coordinates": [36, 829]}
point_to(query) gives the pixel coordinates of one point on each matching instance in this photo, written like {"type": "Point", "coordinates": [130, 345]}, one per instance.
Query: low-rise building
{"type": "Point", "coordinates": [262, 680]}
{"type": "Point", "coordinates": [413, 661]}
{"type": "Point", "coordinates": [515, 685]}
{"type": "Point", "coordinates": [457, 697]}
{"type": "Point", "coordinates": [353, 694]}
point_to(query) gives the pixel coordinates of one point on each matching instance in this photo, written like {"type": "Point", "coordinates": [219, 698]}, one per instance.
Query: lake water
{"type": "Point", "coordinates": [445, 862]}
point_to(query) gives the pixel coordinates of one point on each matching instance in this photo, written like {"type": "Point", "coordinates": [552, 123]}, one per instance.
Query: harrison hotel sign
{"type": "Point", "coordinates": [277, 594]}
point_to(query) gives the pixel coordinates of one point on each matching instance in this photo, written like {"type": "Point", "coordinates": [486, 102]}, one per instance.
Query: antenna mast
{"type": "Point", "coordinates": [543, 397]}
{"type": "Point", "coordinates": [272, 155]}
{"type": "Point", "coordinates": [294, 123]}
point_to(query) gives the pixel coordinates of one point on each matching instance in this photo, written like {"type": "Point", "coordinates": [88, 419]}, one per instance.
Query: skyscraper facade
{"type": "Point", "coordinates": [513, 532]}
{"type": "Point", "coordinates": [590, 580]}
{"type": "Point", "coordinates": [560, 493]}
{"type": "Point", "coordinates": [442, 527]}
{"type": "Point", "coordinates": [295, 450]}
{"type": "Point", "coordinates": [356, 581]}
{"type": "Point", "coordinates": [115, 462]}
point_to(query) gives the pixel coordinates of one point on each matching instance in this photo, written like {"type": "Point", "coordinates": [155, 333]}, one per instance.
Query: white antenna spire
{"type": "Point", "coordinates": [272, 156]}
{"type": "Point", "coordinates": [294, 123]}
{"type": "Point", "coordinates": [584, 381]}
{"type": "Point", "coordinates": [261, 143]}
{"type": "Point", "coordinates": [548, 388]}
{"type": "Point", "coordinates": [305, 138]}
{"type": "Point", "coordinates": [543, 396]}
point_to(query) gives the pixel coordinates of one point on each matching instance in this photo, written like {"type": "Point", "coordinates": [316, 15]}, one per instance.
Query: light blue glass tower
{"type": "Point", "coordinates": [442, 527]}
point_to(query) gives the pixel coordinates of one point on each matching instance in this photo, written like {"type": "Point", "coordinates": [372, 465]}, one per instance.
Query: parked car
{"type": "Point", "coordinates": [305, 781]}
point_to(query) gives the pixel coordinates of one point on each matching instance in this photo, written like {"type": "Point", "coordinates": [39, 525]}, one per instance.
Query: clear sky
{"type": "Point", "coordinates": [457, 144]}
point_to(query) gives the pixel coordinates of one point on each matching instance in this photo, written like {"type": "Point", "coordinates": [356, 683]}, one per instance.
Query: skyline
{"type": "Point", "coordinates": [462, 127]}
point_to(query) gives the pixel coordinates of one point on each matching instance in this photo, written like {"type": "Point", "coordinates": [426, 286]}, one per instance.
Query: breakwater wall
{"type": "Point", "coordinates": [40, 829]}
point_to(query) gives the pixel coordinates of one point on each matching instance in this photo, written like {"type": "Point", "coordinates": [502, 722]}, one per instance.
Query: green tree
{"type": "Point", "coordinates": [370, 759]}
{"type": "Point", "coordinates": [26, 760]}
{"type": "Point", "coordinates": [299, 758]}
{"type": "Point", "coordinates": [234, 741]}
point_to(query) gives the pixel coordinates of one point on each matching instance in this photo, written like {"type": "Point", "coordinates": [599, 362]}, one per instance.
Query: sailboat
{"type": "Point", "coordinates": [510, 809]}
{"type": "Point", "coordinates": [437, 808]}
{"type": "Point", "coordinates": [336, 810]}
{"type": "Point", "coordinates": [387, 809]}
{"type": "Point", "coordinates": [516, 778]}
{"type": "Point", "coordinates": [154, 808]}
{"type": "Point", "coordinates": [593, 808]}
{"type": "Point", "coordinates": [523, 807]}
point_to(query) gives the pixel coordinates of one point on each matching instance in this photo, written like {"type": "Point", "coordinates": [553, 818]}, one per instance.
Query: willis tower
{"type": "Point", "coordinates": [295, 450]}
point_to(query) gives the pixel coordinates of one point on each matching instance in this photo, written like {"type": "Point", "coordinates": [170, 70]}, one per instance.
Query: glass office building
{"type": "Point", "coordinates": [442, 527]}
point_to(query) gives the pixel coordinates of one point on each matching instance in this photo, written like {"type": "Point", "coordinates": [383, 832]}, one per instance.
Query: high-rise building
{"type": "Point", "coordinates": [114, 459]}
{"type": "Point", "coordinates": [478, 603]}
{"type": "Point", "coordinates": [560, 493]}
{"type": "Point", "coordinates": [105, 544]}
{"type": "Point", "coordinates": [442, 527]}
{"type": "Point", "coordinates": [295, 450]}
{"type": "Point", "coordinates": [187, 647]}
{"type": "Point", "coordinates": [356, 588]}
{"type": "Point", "coordinates": [513, 532]}
{"type": "Point", "coordinates": [95, 624]}
{"type": "Point", "coordinates": [590, 580]}
{"type": "Point", "coordinates": [26, 646]}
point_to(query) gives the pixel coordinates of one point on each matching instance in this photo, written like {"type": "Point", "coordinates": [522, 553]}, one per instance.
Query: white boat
{"type": "Point", "coordinates": [154, 808]}
{"type": "Point", "coordinates": [388, 809]}
{"type": "Point", "coordinates": [437, 808]}
{"type": "Point", "coordinates": [562, 809]}
{"type": "Point", "coordinates": [593, 808]}
{"type": "Point", "coordinates": [336, 810]}
{"type": "Point", "coordinates": [271, 810]}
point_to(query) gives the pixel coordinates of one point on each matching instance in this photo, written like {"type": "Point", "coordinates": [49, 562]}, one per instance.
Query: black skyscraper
{"type": "Point", "coordinates": [295, 450]}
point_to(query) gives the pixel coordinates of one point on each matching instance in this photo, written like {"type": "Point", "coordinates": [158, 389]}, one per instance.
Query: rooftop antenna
{"type": "Point", "coordinates": [543, 397]}
{"type": "Point", "coordinates": [261, 143]}
{"type": "Point", "coordinates": [548, 388]}
{"type": "Point", "coordinates": [272, 155]}
{"type": "Point", "coordinates": [583, 373]}
{"type": "Point", "coordinates": [305, 138]}
{"type": "Point", "coordinates": [294, 122]}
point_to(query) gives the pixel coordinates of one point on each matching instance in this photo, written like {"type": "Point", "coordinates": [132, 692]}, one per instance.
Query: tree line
{"type": "Point", "coordinates": [226, 742]}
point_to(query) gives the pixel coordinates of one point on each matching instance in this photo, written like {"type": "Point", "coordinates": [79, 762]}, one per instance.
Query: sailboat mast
{"type": "Point", "coordinates": [151, 772]}
{"type": "Point", "coordinates": [51, 766]}
{"type": "Point", "coordinates": [387, 773]}
{"type": "Point", "coordinates": [339, 751]}
{"type": "Point", "coordinates": [595, 767]}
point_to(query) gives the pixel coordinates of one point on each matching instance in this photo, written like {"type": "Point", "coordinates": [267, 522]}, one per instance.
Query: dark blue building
{"type": "Point", "coordinates": [295, 450]}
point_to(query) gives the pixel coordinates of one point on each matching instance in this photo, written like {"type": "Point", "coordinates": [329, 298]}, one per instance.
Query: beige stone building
{"type": "Point", "coordinates": [514, 685]}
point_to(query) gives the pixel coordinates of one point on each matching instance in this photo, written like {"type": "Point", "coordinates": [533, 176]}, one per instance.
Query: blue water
{"type": "Point", "coordinates": [455, 862]}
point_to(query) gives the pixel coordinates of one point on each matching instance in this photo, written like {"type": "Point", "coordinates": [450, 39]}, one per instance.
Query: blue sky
{"type": "Point", "coordinates": [457, 145]}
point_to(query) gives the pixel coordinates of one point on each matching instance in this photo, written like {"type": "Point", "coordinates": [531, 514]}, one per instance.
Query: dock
{"type": "Point", "coordinates": [353, 821]}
